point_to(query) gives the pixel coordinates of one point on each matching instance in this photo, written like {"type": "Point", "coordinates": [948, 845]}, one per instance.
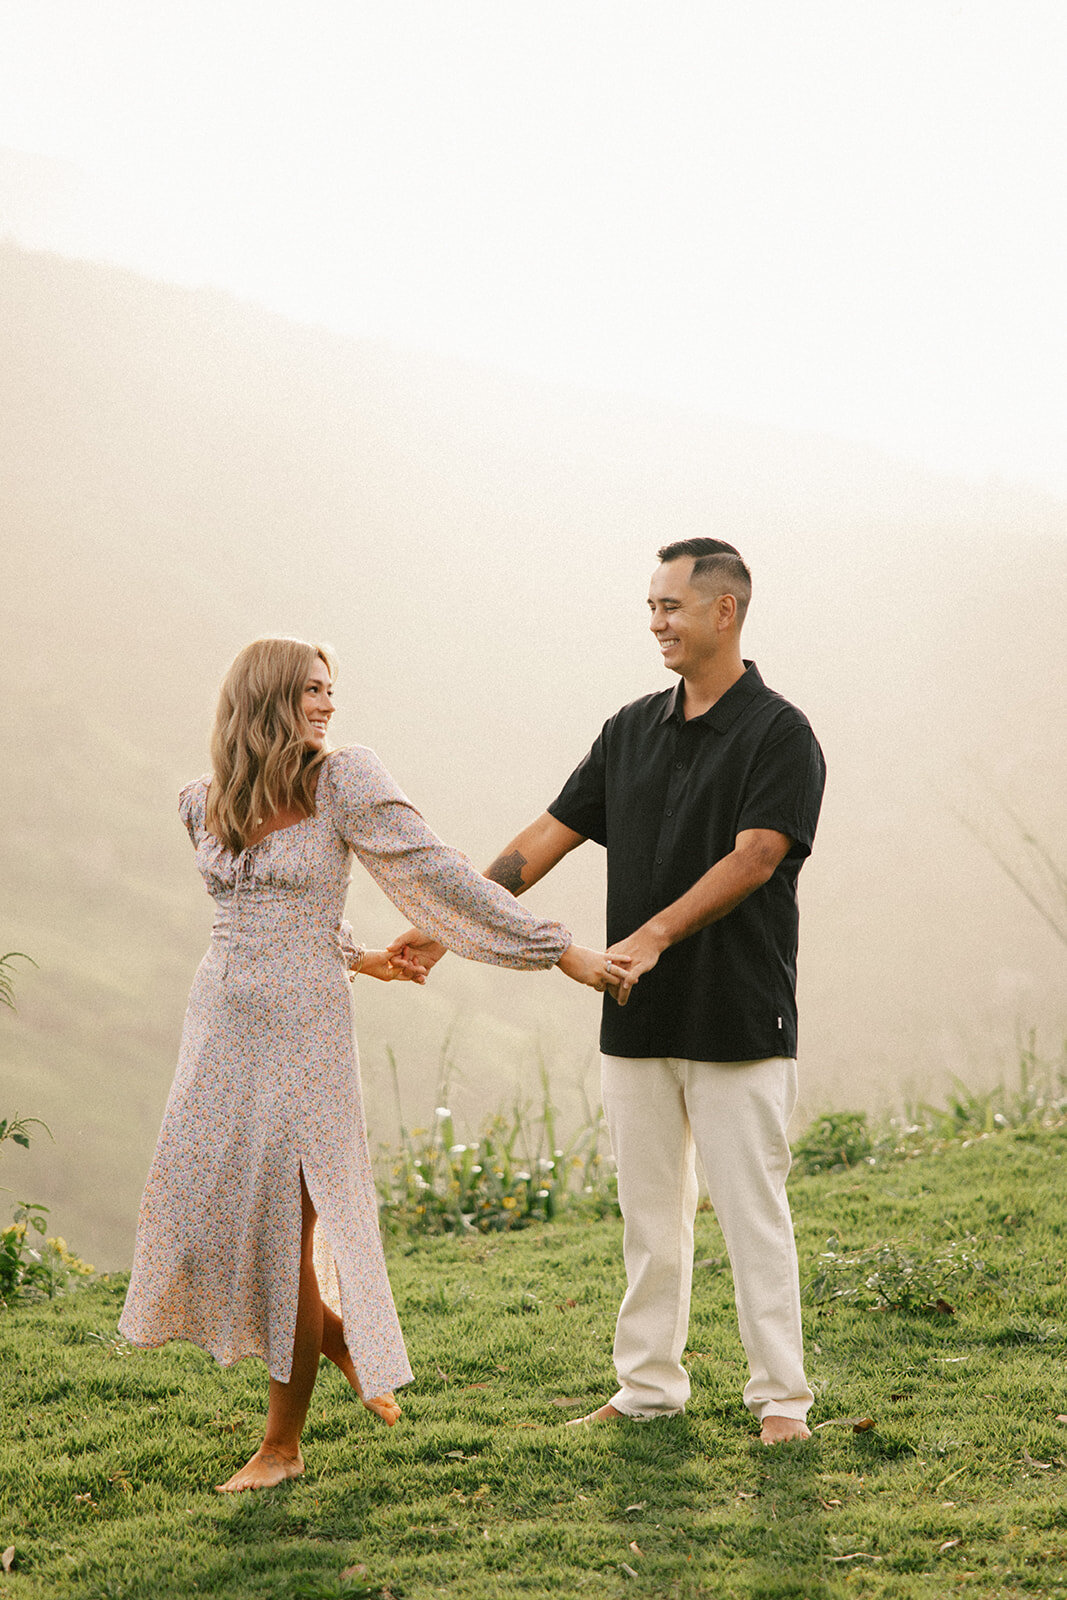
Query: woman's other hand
{"type": "Point", "coordinates": [600, 972]}
{"type": "Point", "coordinates": [390, 967]}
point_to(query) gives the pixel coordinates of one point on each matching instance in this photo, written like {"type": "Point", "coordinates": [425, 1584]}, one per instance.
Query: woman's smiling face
{"type": "Point", "coordinates": [316, 704]}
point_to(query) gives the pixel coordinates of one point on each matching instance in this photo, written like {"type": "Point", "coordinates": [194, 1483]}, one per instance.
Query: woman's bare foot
{"type": "Point", "coordinates": [782, 1430]}
{"type": "Point", "coordinates": [385, 1406]}
{"type": "Point", "coordinates": [267, 1467]}
{"type": "Point", "coordinates": [334, 1349]}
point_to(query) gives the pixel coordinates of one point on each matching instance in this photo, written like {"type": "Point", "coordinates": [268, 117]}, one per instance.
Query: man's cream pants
{"type": "Point", "coordinates": [659, 1111]}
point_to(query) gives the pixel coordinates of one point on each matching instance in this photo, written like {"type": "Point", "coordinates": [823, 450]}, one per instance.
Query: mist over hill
{"type": "Point", "coordinates": [180, 472]}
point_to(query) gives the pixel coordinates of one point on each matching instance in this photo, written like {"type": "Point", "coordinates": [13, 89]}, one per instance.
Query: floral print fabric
{"type": "Point", "coordinates": [268, 1081]}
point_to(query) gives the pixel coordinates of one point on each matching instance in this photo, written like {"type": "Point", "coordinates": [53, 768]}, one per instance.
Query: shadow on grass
{"type": "Point", "coordinates": [787, 1552]}
{"type": "Point", "coordinates": [652, 1482]}
{"type": "Point", "coordinates": [274, 1539]}
{"type": "Point", "coordinates": [770, 1544]}
{"type": "Point", "coordinates": [645, 1454]}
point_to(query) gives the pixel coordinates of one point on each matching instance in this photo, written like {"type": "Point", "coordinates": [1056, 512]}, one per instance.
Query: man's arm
{"type": "Point", "coordinates": [533, 853]}
{"type": "Point", "coordinates": [756, 855]}
{"type": "Point", "coordinates": [521, 864]}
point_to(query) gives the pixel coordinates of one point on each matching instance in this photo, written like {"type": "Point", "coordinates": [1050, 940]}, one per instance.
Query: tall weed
{"type": "Point", "coordinates": [842, 1139]}
{"type": "Point", "coordinates": [32, 1264]}
{"type": "Point", "coordinates": [514, 1172]}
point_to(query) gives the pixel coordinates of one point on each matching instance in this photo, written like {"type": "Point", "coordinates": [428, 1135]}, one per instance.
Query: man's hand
{"type": "Point", "coordinates": [417, 949]}
{"type": "Point", "coordinates": [636, 955]}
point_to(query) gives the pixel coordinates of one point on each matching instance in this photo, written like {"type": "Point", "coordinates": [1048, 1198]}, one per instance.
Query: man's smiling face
{"type": "Point", "coordinates": [685, 618]}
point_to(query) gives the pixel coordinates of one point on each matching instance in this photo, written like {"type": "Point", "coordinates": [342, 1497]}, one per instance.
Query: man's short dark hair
{"type": "Point", "coordinates": [715, 563]}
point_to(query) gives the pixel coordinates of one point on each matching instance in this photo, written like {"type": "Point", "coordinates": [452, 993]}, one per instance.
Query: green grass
{"type": "Point", "coordinates": [108, 1456]}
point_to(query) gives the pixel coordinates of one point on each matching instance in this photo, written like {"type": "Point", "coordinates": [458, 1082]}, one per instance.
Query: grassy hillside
{"type": "Point", "coordinates": [955, 1487]}
{"type": "Point", "coordinates": [180, 472]}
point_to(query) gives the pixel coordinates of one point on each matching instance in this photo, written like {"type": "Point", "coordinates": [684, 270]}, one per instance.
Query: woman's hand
{"type": "Point", "coordinates": [600, 972]}
{"type": "Point", "coordinates": [390, 967]}
{"type": "Point", "coordinates": [421, 948]}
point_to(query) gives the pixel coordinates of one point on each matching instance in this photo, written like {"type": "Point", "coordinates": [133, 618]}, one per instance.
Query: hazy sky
{"type": "Point", "coordinates": [842, 215]}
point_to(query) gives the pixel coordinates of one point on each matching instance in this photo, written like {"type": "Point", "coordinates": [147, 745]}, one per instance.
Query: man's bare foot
{"type": "Point", "coordinates": [606, 1413]}
{"type": "Point", "coordinates": [267, 1467]}
{"type": "Point", "coordinates": [783, 1430]}
{"type": "Point", "coordinates": [334, 1348]}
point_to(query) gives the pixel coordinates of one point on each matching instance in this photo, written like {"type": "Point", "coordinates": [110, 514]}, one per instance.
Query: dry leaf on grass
{"type": "Point", "coordinates": [629, 1571]}
{"type": "Point", "coordinates": [231, 1424]}
{"type": "Point", "coordinates": [566, 1400]}
{"type": "Point", "coordinates": [636, 1548]}
{"type": "Point", "coordinates": [857, 1555]}
{"type": "Point", "coordinates": [857, 1424]}
{"type": "Point", "coordinates": [358, 1571]}
{"type": "Point", "coordinates": [949, 1544]}
{"type": "Point", "coordinates": [7, 1560]}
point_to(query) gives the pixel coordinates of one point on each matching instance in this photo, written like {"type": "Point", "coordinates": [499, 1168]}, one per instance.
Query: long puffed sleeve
{"type": "Point", "coordinates": [434, 885]}
{"type": "Point", "coordinates": [191, 803]}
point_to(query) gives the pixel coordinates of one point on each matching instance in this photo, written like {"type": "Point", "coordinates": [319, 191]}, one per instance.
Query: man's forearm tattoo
{"type": "Point", "coordinates": [507, 871]}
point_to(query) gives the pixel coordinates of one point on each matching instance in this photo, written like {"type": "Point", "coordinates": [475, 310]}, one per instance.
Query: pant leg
{"type": "Point", "coordinates": [653, 1147]}
{"type": "Point", "coordinates": [738, 1112]}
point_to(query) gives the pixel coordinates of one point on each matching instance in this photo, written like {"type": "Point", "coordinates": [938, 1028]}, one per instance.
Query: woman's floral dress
{"type": "Point", "coordinates": [268, 1083]}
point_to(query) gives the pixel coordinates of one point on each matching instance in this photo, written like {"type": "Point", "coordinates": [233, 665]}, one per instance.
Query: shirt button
{"type": "Point", "coordinates": [670, 813]}
{"type": "Point", "coordinates": [678, 765]}
{"type": "Point", "coordinates": [659, 861]}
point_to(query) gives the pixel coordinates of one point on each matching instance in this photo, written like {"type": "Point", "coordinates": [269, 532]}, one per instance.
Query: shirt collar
{"type": "Point", "coordinates": [726, 709]}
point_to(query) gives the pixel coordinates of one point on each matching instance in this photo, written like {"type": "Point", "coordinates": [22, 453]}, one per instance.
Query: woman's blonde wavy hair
{"type": "Point", "coordinates": [259, 756]}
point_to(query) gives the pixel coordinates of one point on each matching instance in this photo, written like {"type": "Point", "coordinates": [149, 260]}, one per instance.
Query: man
{"type": "Point", "coordinates": [706, 797]}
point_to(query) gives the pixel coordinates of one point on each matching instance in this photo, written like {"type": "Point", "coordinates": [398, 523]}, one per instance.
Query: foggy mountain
{"type": "Point", "coordinates": [180, 472]}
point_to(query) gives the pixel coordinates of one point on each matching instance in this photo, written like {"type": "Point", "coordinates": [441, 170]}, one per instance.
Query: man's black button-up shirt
{"type": "Point", "coordinates": [667, 798]}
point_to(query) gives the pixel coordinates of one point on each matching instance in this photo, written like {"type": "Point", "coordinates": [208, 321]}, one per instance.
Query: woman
{"type": "Point", "coordinates": [263, 1133]}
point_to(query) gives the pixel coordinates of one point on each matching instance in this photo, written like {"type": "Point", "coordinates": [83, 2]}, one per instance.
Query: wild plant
{"type": "Point", "coordinates": [896, 1275]}
{"type": "Point", "coordinates": [7, 976]}
{"type": "Point", "coordinates": [841, 1139]}
{"type": "Point", "coordinates": [32, 1264]}
{"type": "Point", "coordinates": [514, 1172]}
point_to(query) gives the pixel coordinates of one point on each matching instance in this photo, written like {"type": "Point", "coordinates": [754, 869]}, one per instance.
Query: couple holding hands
{"type": "Point", "coordinates": [258, 1230]}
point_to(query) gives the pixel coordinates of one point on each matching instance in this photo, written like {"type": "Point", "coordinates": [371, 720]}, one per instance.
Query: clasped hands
{"type": "Point", "coordinates": [389, 968]}
{"type": "Point", "coordinates": [414, 953]}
